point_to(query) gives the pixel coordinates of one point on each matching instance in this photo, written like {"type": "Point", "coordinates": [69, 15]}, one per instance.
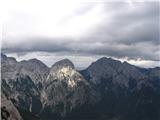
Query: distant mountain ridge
{"type": "Point", "coordinates": [108, 89]}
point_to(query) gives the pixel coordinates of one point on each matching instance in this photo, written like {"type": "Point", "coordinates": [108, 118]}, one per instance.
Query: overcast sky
{"type": "Point", "coordinates": [51, 30]}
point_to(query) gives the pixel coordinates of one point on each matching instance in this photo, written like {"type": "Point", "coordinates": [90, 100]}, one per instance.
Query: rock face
{"type": "Point", "coordinates": [65, 88]}
{"type": "Point", "coordinates": [107, 89]}
{"type": "Point", "coordinates": [8, 67]}
{"type": "Point", "coordinates": [47, 92]}
{"type": "Point", "coordinates": [127, 91]}
{"type": "Point", "coordinates": [33, 68]}
{"type": "Point", "coordinates": [8, 110]}
{"type": "Point", "coordinates": [108, 68]}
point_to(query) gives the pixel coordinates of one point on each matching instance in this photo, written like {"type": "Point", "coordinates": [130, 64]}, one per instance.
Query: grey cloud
{"type": "Point", "coordinates": [145, 51]}
{"type": "Point", "coordinates": [130, 26]}
{"type": "Point", "coordinates": [38, 44]}
{"type": "Point", "coordinates": [131, 33]}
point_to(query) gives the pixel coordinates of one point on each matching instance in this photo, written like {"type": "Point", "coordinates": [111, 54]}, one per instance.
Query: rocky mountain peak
{"type": "Point", "coordinates": [64, 70]}
{"type": "Point", "coordinates": [3, 57]}
{"type": "Point", "coordinates": [113, 69]}
{"type": "Point", "coordinates": [34, 60]}
{"type": "Point", "coordinates": [105, 62]}
{"type": "Point", "coordinates": [34, 68]}
{"type": "Point", "coordinates": [8, 60]}
{"type": "Point", "coordinates": [71, 85]}
{"type": "Point", "coordinates": [34, 63]}
{"type": "Point", "coordinates": [105, 59]}
{"type": "Point", "coordinates": [63, 92]}
{"type": "Point", "coordinates": [64, 66]}
{"type": "Point", "coordinates": [125, 62]}
{"type": "Point", "coordinates": [63, 63]}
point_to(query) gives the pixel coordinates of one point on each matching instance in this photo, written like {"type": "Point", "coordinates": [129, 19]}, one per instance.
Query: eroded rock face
{"type": "Point", "coordinates": [65, 88]}
{"type": "Point", "coordinates": [125, 88]}
{"type": "Point", "coordinates": [8, 67]}
{"type": "Point", "coordinates": [8, 110]}
{"type": "Point", "coordinates": [61, 88]}
{"type": "Point", "coordinates": [37, 71]}
{"type": "Point", "coordinates": [119, 73]}
{"type": "Point", "coordinates": [23, 91]}
{"type": "Point", "coordinates": [33, 68]}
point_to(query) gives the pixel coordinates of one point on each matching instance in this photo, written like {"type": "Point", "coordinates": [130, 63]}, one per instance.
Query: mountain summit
{"type": "Point", "coordinates": [107, 89]}
{"type": "Point", "coordinates": [64, 63]}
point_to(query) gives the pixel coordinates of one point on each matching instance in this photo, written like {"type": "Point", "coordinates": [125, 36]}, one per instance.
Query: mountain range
{"type": "Point", "coordinates": [107, 90]}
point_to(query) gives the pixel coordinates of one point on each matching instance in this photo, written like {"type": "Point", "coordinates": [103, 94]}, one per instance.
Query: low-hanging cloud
{"type": "Point", "coordinates": [124, 31]}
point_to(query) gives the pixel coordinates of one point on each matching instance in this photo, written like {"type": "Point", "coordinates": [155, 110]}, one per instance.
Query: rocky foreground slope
{"type": "Point", "coordinates": [106, 90]}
